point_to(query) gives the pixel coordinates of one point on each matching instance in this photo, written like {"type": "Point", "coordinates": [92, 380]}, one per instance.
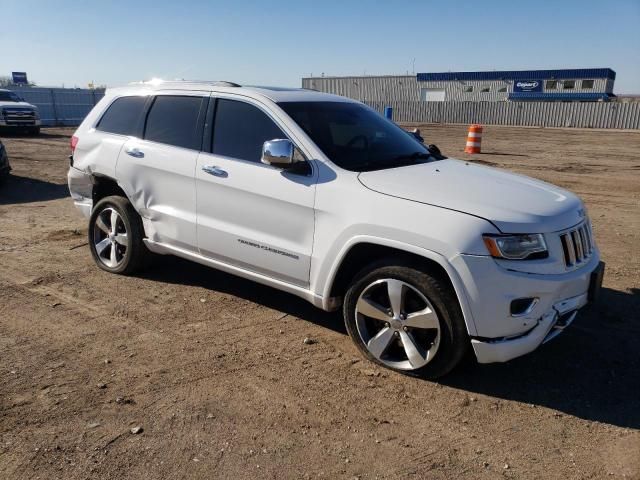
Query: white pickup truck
{"type": "Point", "coordinates": [16, 114]}
{"type": "Point", "coordinates": [322, 197]}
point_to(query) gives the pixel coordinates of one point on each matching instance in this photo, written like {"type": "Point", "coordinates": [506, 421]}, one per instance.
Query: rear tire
{"type": "Point", "coordinates": [116, 236]}
{"type": "Point", "coordinates": [406, 320]}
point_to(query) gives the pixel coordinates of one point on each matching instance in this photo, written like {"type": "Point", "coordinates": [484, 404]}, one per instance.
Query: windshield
{"type": "Point", "coordinates": [9, 97]}
{"type": "Point", "coordinates": [355, 137]}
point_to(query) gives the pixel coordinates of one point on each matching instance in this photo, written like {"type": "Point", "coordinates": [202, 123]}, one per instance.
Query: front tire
{"type": "Point", "coordinates": [406, 320]}
{"type": "Point", "coordinates": [115, 236]}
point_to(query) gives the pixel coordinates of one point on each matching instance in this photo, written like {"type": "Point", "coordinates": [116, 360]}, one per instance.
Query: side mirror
{"type": "Point", "coordinates": [435, 151]}
{"type": "Point", "coordinates": [416, 133]}
{"type": "Point", "coordinates": [278, 152]}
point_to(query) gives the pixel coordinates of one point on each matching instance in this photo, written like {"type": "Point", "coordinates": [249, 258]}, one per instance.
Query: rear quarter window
{"type": "Point", "coordinates": [173, 120]}
{"type": "Point", "coordinates": [122, 116]}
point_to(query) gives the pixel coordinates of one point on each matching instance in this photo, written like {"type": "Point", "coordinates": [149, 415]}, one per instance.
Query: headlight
{"type": "Point", "coordinates": [516, 247]}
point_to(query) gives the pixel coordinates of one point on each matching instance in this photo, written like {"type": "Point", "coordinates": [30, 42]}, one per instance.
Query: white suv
{"type": "Point", "coordinates": [322, 197]}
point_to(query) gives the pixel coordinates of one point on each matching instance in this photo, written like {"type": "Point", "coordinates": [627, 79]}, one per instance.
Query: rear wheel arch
{"type": "Point", "coordinates": [104, 186]}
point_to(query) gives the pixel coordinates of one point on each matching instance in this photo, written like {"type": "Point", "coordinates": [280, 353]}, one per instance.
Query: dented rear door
{"type": "Point", "coordinates": [157, 171]}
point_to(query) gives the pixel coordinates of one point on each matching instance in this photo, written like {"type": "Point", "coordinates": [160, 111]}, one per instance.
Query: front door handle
{"type": "Point", "coordinates": [215, 171]}
{"type": "Point", "coordinates": [134, 152]}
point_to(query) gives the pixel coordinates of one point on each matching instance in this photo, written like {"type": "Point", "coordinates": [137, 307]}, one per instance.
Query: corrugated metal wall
{"type": "Point", "coordinates": [407, 87]}
{"type": "Point", "coordinates": [534, 114]}
{"type": "Point", "coordinates": [61, 106]}
{"type": "Point", "coordinates": [397, 87]}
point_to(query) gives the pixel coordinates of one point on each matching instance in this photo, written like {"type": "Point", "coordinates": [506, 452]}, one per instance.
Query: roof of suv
{"type": "Point", "coordinates": [276, 94]}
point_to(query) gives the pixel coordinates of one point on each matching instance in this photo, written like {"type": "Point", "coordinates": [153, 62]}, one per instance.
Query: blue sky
{"type": "Point", "coordinates": [278, 42]}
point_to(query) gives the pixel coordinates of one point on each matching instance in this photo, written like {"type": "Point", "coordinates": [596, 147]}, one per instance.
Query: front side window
{"type": "Point", "coordinates": [468, 88]}
{"type": "Point", "coordinates": [8, 96]}
{"type": "Point", "coordinates": [122, 116]}
{"type": "Point", "coordinates": [240, 129]}
{"type": "Point", "coordinates": [355, 137]}
{"type": "Point", "coordinates": [551, 84]}
{"type": "Point", "coordinates": [173, 120]}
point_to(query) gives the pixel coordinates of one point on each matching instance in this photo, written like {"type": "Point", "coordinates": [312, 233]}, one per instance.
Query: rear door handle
{"type": "Point", "coordinates": [134, 152]}
{"type": "Point", "coordinates": [215, 171]}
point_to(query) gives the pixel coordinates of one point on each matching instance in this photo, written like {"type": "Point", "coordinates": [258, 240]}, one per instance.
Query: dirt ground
{"type": "Point", "coordinates": [215, 371]}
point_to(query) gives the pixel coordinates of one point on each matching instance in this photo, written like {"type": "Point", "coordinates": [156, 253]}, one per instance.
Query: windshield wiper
{"type": "Point", "coordinates": [397, 161]}
{"type": "Point", "coordinates": [414, 156]}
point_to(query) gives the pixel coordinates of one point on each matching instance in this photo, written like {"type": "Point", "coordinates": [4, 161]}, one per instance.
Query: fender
{"type": "Point", "coordinates": [328, 303]}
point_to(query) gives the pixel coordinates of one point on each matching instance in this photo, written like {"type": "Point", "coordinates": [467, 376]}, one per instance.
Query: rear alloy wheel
{"type": "Point", "coordinates": [406, 320]}
{"type": "Point", "coordinates": [110, 238]}
{"type": "Point", "coordinates": [116, 236]}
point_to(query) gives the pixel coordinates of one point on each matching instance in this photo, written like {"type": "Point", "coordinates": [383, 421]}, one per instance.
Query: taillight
{"type": "Point", "coordinates": [74, 142]}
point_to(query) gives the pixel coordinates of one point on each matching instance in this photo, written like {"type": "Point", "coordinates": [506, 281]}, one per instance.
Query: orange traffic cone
{"type": "Point", "coordinates": [474, 138]}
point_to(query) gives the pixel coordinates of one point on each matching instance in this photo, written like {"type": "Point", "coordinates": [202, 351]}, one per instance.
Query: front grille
{"type": "Point", "coordinates": [16, 116]}
{"type": "Point", "coordinates": [577, 245]}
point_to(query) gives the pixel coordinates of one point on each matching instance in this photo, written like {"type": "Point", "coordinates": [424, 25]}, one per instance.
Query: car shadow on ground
{"type": "Point", "coordinates": [170, 269]}
{"type": "Point", "coordinates": [16, 189]}
{"type": "Point", "coordinates": [592, 371]}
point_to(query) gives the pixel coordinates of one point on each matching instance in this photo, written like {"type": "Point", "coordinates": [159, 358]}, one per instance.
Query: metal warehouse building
{"type": "Point", "coordinates": [568, 85]}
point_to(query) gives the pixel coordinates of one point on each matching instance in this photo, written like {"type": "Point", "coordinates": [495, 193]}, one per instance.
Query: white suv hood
{"type": "Point", "coordinates": [513, 203]}
{"type": "Point", "coordinates": [17, 104]}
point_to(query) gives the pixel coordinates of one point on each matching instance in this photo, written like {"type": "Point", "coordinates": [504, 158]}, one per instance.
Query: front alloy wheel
{"type": "Point", "coordinates": [398, 324]}
{"type": "Point", "coordinates": [406, 319]}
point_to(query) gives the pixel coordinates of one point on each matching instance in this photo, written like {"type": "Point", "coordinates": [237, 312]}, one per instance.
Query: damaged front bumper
{"type": "Point", "coordinates": [549, 326]}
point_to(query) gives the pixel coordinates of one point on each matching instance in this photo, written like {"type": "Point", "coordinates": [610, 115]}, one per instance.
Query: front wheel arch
{"type": "Point", "coordinates": [402, 326]}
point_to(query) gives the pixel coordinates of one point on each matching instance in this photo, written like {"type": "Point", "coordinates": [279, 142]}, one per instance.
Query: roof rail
{"type": "Point", "coordinates": [212, 83]}
{"type": "Point", "coordinates": [225, 83]}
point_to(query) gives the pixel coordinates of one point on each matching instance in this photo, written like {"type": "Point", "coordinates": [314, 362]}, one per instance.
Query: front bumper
{"type": "Point", "coordinates": [20, 123]}
{"type": "Point", "coordinates": [500, 336]}
{"type": "Point", "coordinates": [549, 326]}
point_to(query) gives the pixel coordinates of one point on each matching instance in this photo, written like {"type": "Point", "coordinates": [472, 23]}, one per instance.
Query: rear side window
{"type": "Point", "coordinates": [240, 129]}
{"type": "Point", "coordinates": [173, 120]}
{"type": "Point", "coordinates": [122, 116]}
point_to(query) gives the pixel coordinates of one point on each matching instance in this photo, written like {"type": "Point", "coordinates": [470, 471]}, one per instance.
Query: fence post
{"type": "Point", "coordinates": [54, 107]}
